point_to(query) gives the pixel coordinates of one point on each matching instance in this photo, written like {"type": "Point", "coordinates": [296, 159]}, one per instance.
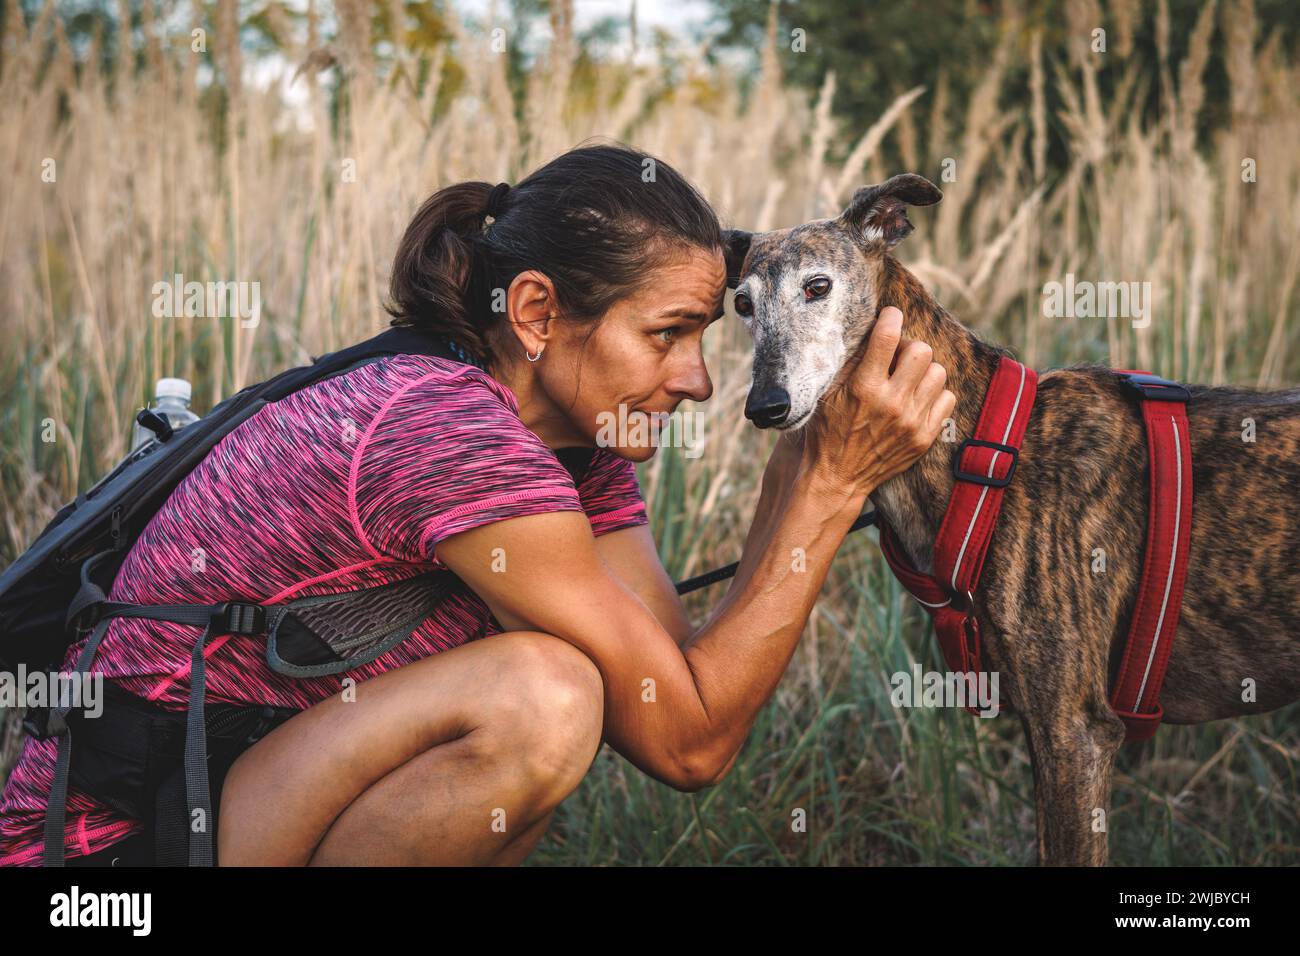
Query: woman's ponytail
{"type": "Point", "coordinates": [439, 262]}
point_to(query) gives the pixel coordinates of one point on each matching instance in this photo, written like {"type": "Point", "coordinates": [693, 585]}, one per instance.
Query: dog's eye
{"type": "Point", "coordinates": [816, 287]}
{"type": "Point", "coordinates": [743, 305]}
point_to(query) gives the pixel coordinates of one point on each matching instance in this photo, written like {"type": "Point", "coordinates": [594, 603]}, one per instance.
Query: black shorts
{"type": "Point", "coordinates": [135, 850]}
{"type": "Point", "coordinates": [132, 757]}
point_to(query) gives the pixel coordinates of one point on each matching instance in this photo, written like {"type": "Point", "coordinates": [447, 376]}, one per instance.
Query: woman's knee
{"type": "Point", "coordinates": [547, 717]}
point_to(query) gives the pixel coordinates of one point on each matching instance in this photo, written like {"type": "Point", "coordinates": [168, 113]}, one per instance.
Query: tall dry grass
{"type": "Point", "coordinates": [149, 184]}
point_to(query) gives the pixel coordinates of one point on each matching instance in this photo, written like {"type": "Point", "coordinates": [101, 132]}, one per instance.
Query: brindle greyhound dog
{"type": "Point", "coordinates": [1053, 628]}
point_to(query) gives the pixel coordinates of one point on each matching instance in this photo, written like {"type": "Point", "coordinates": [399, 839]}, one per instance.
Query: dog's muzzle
{"type": "Point", "coordinates": [767, 407]}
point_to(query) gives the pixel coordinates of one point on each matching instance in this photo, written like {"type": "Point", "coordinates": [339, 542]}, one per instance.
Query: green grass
{"type": "Point", "coordinates": [878, 785]}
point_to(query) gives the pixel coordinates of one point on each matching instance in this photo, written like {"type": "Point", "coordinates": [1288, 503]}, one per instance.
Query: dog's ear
{"type": "Point", "coordinates": [735, 247]}
{"type": "Point", "coordinates": [878, 214]}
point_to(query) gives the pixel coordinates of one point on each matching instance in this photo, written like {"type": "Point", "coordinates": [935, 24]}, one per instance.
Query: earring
{"type": "Point", "coordinates": [534, 358]}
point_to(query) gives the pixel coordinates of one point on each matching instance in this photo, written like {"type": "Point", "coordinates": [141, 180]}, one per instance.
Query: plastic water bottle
{"type": "Point", "coordinates": [172, 401]}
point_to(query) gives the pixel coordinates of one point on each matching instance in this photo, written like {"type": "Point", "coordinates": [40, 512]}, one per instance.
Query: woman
{"type": "Point", "coordinates": [586, 295]}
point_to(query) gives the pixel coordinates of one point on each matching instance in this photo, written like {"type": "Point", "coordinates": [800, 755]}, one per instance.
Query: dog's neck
{"type": "Point", "coordinates": [914, 502]}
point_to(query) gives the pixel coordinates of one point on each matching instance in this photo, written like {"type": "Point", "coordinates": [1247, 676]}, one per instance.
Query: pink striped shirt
{"type": "Point", "coordinates": [349, 483]}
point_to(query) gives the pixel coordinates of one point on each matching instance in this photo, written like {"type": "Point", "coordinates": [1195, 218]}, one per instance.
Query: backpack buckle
{"type": "Point", "coordinates": [158, 424]}
{"type": "Point", "coordinates": [85, 620]}
{"type": "Point", "coordinates": [43, 723]}
{"type": "Point", "coordinates": [238, 617]}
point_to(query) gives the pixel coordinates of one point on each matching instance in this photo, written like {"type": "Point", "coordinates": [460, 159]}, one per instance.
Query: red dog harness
{"type": "Point", "coordinates": [983, 466]}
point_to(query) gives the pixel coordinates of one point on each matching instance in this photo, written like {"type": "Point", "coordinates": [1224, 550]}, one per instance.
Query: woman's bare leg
{"type": "Point", "coordinates": [459, 758]}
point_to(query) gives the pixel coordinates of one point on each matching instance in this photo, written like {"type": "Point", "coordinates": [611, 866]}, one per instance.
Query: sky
{"type": "Point", "coordinates": [677, 16]}
{"type": "Point", "coordinates": [684, 18]}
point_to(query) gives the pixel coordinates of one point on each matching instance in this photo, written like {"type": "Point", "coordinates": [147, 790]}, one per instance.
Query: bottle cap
{"type": "Point", "coordinates": [172, 388]}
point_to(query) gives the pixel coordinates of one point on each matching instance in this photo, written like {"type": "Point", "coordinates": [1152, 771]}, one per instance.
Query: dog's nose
{"type": "Point", "coordinates": [767, 407]}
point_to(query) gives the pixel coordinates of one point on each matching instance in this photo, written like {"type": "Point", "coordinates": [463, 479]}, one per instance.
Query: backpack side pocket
{"type": "Point", "coordinates": [331, 633]}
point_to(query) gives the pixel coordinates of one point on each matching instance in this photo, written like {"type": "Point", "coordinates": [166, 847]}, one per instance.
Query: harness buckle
{"type": "Point", "coordinates": [237, 617]}
{"type": "Point", "coordinates": [1153, 387]}
{"type": "Point", "coordinates": [984, 479]}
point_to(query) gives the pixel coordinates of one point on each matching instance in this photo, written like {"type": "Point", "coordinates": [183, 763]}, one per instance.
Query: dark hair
{"type": "Point", "coordinates": [596, 220]}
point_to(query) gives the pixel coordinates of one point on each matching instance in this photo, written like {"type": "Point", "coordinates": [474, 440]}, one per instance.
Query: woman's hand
{"type": "Point", "coordinates": [877, 424]}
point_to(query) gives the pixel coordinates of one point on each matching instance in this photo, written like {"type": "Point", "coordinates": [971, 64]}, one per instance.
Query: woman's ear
{"type": "Point", "coordinates": [735, 248]}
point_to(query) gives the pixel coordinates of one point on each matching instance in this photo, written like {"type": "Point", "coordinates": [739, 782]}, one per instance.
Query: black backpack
{"type": "Point", "coordinates": [56, 591]}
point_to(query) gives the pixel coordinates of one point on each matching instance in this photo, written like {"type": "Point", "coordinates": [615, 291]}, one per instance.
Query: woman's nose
{"type": "Point", "coordinates": [692, 383]}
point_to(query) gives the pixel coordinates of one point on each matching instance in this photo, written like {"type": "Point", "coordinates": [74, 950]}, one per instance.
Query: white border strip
{"type": "Point", "coordinates": [1173, 554]}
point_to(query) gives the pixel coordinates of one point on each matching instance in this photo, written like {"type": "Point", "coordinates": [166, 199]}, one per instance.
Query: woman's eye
{"type": "Point", "coordinates": [817, 287]}
{"type": "Point", "coordinates": [742, 304]}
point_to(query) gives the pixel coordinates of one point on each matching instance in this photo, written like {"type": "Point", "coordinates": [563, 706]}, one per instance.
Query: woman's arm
{"type": "Point", "coordinates": [677, 715]}
{"type": "Point", "coordinates": [681, 715]}
{"type": "Point", "coordinates": [773, 497]}
{"type": "Point", "coordinates": [631, 553]}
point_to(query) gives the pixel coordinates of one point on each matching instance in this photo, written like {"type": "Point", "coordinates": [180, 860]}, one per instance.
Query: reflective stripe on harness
{"type": "Point", "coordinates": [1136, 697]}
{"type": "Point", "coordinates": [983, 467]}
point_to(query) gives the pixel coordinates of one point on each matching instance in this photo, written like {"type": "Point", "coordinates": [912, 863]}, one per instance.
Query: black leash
{"type": "Point", "coordinates": [721, 574]}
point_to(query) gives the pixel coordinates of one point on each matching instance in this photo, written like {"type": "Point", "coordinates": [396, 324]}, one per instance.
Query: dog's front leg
{"type": "Point", "coordinates": [1057, 687]}
{"type": "Point", "coordinates": [1072, 748]}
